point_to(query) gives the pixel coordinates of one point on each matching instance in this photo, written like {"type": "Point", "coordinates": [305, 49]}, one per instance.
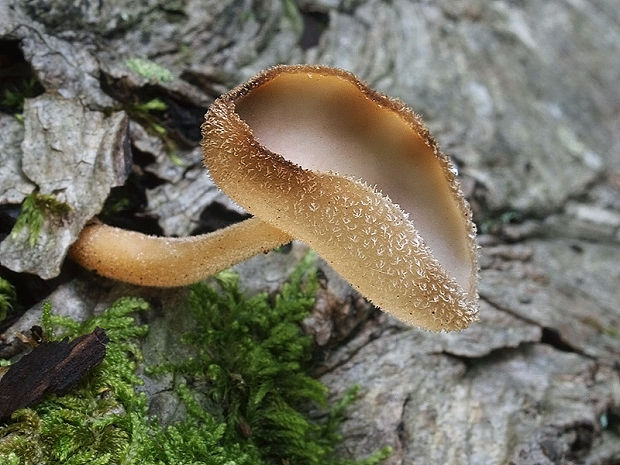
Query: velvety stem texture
{"type": "Point", "coordinates": [146, 260]}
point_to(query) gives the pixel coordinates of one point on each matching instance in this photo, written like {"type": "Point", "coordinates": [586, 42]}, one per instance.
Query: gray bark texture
{"type": "Point", "coordinates": [524, 95]}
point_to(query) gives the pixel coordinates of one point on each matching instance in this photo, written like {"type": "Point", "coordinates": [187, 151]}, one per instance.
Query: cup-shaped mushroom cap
{"type": "Point", "coordinates": [316, 153]}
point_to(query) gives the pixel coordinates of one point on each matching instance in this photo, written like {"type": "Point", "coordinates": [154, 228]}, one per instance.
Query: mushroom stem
{"type": "Point", "coordinates": [316, 155]}
{"type": "Point", "coordinates": [167, 262]}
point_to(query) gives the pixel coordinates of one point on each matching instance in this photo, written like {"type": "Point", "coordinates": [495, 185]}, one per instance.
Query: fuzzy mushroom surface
{"type": "Point", "coordinates": [138, 258]}
{"type": "Point", "coordinates": [315, 152]}
{"type": "Point", "coordinates": [316, 155]}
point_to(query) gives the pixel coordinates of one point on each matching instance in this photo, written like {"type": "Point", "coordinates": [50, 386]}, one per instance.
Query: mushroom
{"type": "Point", "coordinates": [145, 260]}
{"type": "Point", "coordinates": [314, 154]}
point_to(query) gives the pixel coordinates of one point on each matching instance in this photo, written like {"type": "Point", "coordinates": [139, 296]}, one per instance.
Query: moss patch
{"type": "Point", "coordinates": [246, 393]}
{"type": "Point", "coordinates": [35, 209]}
{"type": "Point", "coordinates": [149, 70]}
{"type": "Point", "coordinates": [7, 298]}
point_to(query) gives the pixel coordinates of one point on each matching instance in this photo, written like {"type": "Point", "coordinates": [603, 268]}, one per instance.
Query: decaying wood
{"type": "Point", "coordinates": [51, 367]}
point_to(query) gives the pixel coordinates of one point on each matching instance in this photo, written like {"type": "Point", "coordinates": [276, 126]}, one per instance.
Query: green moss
{"type": "Point", "coordinates": [7, 298]}
{"type": "Point", "coordinates": [148, 114]}
{"type": "Point", "coordinates": [35, 209]}
{"type": "Point", "coordinates": [95, 423]}
{"type": "Point", "coordinates": [247, 392]}
{"type": "Point", "coordinates": [12, 97]}
{"type": "Point", "coordinates": [149, 69]}
{"type": "Point", "coordinates": [152, 105]}
{"type": "Point", "coordinates": [144, 113]}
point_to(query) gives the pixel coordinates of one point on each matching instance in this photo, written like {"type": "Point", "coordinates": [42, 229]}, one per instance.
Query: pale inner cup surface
{"type": "Point", "coordinates": [325, 123]}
